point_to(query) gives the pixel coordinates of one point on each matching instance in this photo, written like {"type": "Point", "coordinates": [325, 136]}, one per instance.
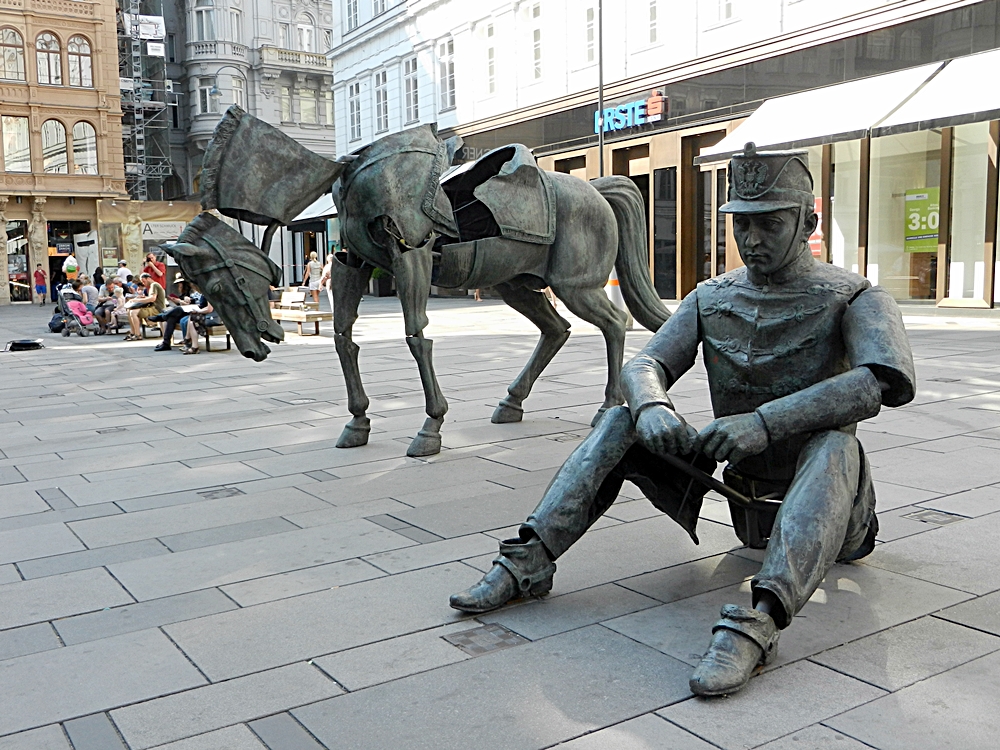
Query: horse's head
{"type": "Point", "coordinates": [390, 192]}
{"type": "Point", "coordinates": [235, 276]}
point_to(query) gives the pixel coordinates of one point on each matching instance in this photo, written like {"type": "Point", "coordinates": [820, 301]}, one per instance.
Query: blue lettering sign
{"type": "Point", "coordinates": [621, 117]}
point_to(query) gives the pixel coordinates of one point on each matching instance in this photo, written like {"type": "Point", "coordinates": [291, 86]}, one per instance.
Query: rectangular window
{"type": "Point", "coordinates": [411, 92]}
{"type": "Point", "coordinates": [305, 37]}
{"type": "Point", "coordinates": [665, 232]}
{"type": "Point", "coordinates": [308, 109]}
{"type": "Point", "coordinates": [175, 117]}
{"type": "Point", "coordinates": [285, 100]}
{"type": "Point", "coordinates": [16, 151]}
{"type": "Point", "coordinates": [328, 107]}
{"type": "Point", "coordinates": [283, 39]}
{"type": "Point", "coordinates": [381, 102]}
{"type": "Point", "coordinates": [207, 104]}
{"type": "Point", "coordinates": [537, 52]}
{"type": "Point", "coordinates": [239, 93]}
{"type": "Point", "coordinates": [327, 40]}
{"type": "Point", "coordinates": [236, 26]}
{"type": "Point", "coordinates": [652, 21]}
{"type": "Point", "coordinates": [351, 14]}
{"type": "Point", "coordinates": [591, 35]}
{"type": "Point", "coordinates": [491, 68]}
{"type": "Point", "coordinates": [354, 109]}
{"type": "Point", "coordinates": [446, 73]}
{"type": "Point", "coordinates": [725, 9]}
{"type": "Point", "coordinates": [378, 7]}
{"type": "Point", "coordinates": [204, 22]}
{"type": "Point", "coordinates": [171, 48]}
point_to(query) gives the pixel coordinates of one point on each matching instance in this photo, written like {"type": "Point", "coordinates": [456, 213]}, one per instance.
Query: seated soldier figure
{"type": "Point", "coordinates": [797, 353]}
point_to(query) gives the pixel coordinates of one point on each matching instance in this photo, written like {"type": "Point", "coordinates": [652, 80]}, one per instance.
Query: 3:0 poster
{"type": "Point", "coordinates": [921, 222]}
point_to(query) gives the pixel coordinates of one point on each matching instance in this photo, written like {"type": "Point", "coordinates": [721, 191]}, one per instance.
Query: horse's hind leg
{"type": "Point", "coordinates": [594, 306]}
{"type": "Point", "coordinates": [348, 284]}
{"type": "Point", "coordinates": [412, 270]}
{"type": "Point", "coordinates": [536, 308]}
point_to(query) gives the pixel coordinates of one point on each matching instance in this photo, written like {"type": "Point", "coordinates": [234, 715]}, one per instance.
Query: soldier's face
{"type": "Point", "coordinates": [765, 241]}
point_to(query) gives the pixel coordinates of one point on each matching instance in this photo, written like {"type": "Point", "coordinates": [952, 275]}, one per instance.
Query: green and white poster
{"type": "Point", "coordinates": [922, 219]}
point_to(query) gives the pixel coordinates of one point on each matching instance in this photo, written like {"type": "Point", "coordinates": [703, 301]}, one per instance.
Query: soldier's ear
{"type": "Point", "coordinates": [810, 223]}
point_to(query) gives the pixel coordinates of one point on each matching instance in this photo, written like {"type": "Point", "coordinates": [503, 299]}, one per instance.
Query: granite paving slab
{"type": "Point", "coordinates": [221, 534]}
{"type": "Point", "coordinates": [231, 738]}
{"type": "Point", "coordinates": [283, 731]}
{"type": "Point", "coordinates": [647, 732]}
{"type": "Point", "coordinates": [971, 503]}
{"type": "Point", "coordinates": [899, 656]}
{"type": "Point", "coordinates": [304, 581]}
{"type": "Point", "coordinates": [530, 696]}
{"type": "Point", "coordinates": [770, 706]}
{"type": "Point", "coordinates": [432, 553]}
{"type": "Point", "coordinates": [816, 737]}
{"type": "Point", "coordinates": [44, 738]}
{"type": "Point", "coordinates": [90, 558]}
{"type": "Point", "coordinates": [50, 539]}
{"type": "Point", "coordinates": [157, 577]}
{"type": "Point", "coordinates": [932, 556]}
{"type": "Point", "coordinates": [303, 627]}
{"type": "Point", "coordinates": [393, 658]}
{"type": "Point", "coordinates": [473, 514]}
{"type": "Point", "coordinates": [539, 618]}
{"type": "Point", "coordinates": [198, 711]}
{"type": "Point", "coordinates": [132, 617]}
{"type": "Point", "coordinates": [8, 574]}
{"type": "Point", "coordinates": [79, 680]}
{"type": "Point", "coordinates": [64, 595]}
{"type": "Point", "coordinates": [954, 709]}
{"type": "Point", "coordinates": [692, 578]}
{"type": "Point", "coordinates": [29, 639]}
{"type": "Point", "coordinates": [982, 613]}
{"type": "Point", "coordinates": [94, 732]}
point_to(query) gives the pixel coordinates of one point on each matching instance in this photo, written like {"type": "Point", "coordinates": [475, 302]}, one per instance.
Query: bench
{"type": "Point", "coordinates": [293, 307]}
{"type": "Point", "coordinates": [217, 331]}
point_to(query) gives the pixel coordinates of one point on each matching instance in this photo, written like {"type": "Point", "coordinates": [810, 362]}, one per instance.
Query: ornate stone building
{"type": "Point", "coordinates": [60, 133]}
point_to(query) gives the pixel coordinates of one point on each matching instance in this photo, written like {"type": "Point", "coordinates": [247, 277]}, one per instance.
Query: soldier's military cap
{"type": "Point", "coordinates": [765, 181]}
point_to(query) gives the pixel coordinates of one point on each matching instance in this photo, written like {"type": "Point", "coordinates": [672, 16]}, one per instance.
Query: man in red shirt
{"type": "Point", "coordinates": [40, 284]}
{"type": "Point", "coordinates": [157, 270]}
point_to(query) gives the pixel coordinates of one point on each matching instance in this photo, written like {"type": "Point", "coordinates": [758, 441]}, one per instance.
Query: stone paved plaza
{"type": "Point", "coordinates": [187, 561]}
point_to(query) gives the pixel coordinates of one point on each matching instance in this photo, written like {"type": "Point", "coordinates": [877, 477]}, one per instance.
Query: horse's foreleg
{"type": "Point", "coordinates": [594, 306]}
{"type": "Point", "coordinates": [412, 270]}
{"type": "Point", "coordinates": [536, 308]}
{"type": "Point", "coordinates": [348, 285]}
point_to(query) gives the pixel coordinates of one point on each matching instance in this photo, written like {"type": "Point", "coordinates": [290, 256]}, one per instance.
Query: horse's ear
{"type": "Point", "coordinates": [182, 250]}
{"type": "Point", "coordinates": [453, 144]}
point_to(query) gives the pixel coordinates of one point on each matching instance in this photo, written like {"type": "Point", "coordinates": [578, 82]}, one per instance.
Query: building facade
{"type": "Point", "coordinates": [908, 194]}
{"type": "Point", "coordinates": [60, 134]}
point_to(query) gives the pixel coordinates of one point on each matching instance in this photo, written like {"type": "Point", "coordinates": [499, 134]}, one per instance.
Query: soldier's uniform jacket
{"type": "Point", "coordinates": [764, 343]}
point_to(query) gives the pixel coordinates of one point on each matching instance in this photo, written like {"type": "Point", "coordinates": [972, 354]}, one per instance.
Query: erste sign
{"type": "Point", "coordinates": [632, 114]}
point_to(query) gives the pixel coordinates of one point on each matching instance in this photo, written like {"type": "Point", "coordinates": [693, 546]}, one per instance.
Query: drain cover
{"type": "Point", "coordinates": [485, 639]}
{"type": "Point", "coordinates": [221, 493]}
{"type": "Point", "coordinates": [933, 516]}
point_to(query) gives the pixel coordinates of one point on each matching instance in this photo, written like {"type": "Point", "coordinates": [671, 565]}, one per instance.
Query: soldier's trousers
{"type": "Point", "coordinates": [827, 513]}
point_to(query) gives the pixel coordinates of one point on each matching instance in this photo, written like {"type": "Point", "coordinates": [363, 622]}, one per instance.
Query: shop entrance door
{"type": "Point", "coordinates": [702, 235]}
{"type": "Point", "coordinates": [634, 163]}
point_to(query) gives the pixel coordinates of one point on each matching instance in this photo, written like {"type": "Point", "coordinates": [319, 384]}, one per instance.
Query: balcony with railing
{"type": "Point", "coordinates": [290, 59]}
{"type": "Point", "coordinates": [221, 50]}
{"type": "Point", "coordinates": [74, 8]}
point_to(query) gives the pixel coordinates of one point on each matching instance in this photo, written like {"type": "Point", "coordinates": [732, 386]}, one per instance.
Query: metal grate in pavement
{"type": "Point", "coordinates": [221, 493]}
{"type": "Point", "coordinates": [485, 639]}
{"type": "Point", "coordinates": [933, 516]}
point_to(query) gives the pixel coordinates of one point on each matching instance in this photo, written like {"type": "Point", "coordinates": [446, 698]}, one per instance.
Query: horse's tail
{"type": "Point", "coordinates": [632, 263]}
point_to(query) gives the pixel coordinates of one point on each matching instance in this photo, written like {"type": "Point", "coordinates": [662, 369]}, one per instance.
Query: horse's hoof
{"type": "Point", "coordinates": [355, 433]}
{"type": "Point", "coordinates": [507, 412]}
{"type": "Point", "coordinates": [597, 417]}
{"type": "Point", "coordinates": [428, 440]}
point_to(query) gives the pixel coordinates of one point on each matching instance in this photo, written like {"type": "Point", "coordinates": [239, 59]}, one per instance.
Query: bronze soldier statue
{"type": "Point", "coordinates": [797, 353]}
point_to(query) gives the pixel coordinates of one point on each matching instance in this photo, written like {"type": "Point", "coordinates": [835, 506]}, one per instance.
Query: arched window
{"type": "Point", "coordinates": [11, 55]}
{"type": "Point", "coordinates": [305, 30]}
{"type": "Point", "coordinates": [54, 147]}
{"type": "Point", "coordinates": [84, 148]}
{"type": "Point", "coordinates": [49, 59]}
{"type": "Point", "coordinates": [78, 57]}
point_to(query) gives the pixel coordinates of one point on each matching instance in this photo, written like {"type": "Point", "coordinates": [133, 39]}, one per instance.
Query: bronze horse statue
{"type": "Point", "coordinates": [500, 222]}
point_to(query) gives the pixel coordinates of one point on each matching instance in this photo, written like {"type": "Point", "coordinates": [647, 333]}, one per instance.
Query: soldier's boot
{"type": "Point", "coordinates": [743, 642]}
{"type": "Point", "coordinates": [522, 569]}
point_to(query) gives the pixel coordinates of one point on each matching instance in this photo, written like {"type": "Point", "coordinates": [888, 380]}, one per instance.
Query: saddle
{"type": "Point", "coordinates": [503, 194]}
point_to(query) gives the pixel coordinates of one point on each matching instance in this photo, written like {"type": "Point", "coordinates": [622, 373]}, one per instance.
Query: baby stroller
{"type": "Point", "coordinates": [78, 318]}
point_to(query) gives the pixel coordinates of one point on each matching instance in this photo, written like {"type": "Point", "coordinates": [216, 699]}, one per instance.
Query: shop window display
{"type": "Point", "coordinates": [904, 214]}
{"type": "Point", "coordinates": [966, 267]}
{"type": "Point", "coordinates": [844, 200]}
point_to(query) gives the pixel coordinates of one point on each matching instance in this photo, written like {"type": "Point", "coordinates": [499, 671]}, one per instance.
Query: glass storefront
{"type": "Point", "coordinates": [904, 214]}
{"type": "Point", "coordinates": [665, 232]}
{"type": "Point", "coordinates": [17, 261]}
{"type": "Point", "coordinates": [845, 200]}
{"type": "Point", "coordinates": [970, 160]}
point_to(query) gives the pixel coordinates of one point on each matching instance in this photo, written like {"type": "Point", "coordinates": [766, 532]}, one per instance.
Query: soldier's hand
{"type": "Point", "coordinates": [662, 430]}
{"type": "Point", "coordinates": [733, 438]}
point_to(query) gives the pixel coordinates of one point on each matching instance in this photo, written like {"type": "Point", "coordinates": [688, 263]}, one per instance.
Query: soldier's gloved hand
{"type": "Point", "coordinates": [662, 430]}
{"type": "Point", "coordinates": [733, 438]}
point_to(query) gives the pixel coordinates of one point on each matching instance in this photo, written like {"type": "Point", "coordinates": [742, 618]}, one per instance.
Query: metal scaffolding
{"type": "Point", "coordinates": [145, 101]}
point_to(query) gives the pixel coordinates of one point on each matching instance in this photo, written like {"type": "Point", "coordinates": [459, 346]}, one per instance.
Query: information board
{"type": "Point", "coordinates": [921, 221]}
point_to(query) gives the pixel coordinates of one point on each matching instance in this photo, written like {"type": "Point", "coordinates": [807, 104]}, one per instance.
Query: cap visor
{"type": "Point", "coordinates": [756, 207]}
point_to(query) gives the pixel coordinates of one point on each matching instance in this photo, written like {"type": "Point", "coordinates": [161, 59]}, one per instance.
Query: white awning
{"type": "Point", "coordinates": [321, 208]}
{"type": "Point", "coordinates": [841, 112]}
{"type": "Point", "coordinates": [964, 91]}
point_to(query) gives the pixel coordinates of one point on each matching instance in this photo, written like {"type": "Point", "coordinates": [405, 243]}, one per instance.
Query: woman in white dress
{"type": "Point", "coordinates": [313, 274]}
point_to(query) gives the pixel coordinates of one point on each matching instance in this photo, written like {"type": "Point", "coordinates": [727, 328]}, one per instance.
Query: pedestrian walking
{"type": "Point", "coordinates": [40, 285]}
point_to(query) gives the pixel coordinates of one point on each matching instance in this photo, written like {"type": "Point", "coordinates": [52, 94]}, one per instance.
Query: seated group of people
{"type": "Point", "coordinates": [188, 310]}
